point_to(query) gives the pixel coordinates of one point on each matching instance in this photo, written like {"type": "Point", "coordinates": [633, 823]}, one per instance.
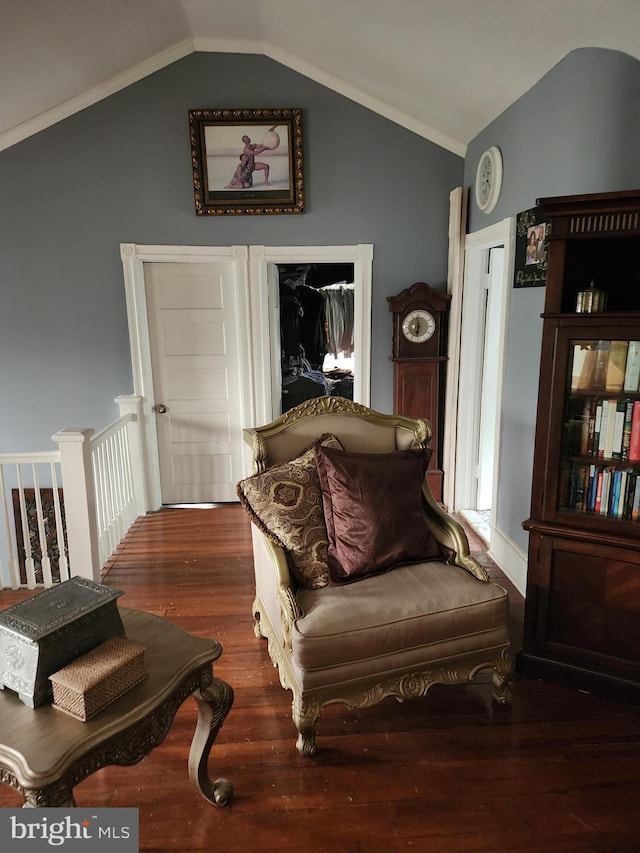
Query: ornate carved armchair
{"type": "Point", "coordinates": [395, 632]}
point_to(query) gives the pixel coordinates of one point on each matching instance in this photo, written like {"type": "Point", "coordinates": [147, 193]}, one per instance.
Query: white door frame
{"type": "Point", "coordinates": [477, 246]}
{"type": "Point", "coordinates": [492, 347]}
{"type": "Point", "coordinates": [250, 265]}
{"type": "Point", "coordinates": [458, 203]}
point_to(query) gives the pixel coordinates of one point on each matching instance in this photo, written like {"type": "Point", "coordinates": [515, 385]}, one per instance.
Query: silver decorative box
{"type": "Point", "coordinates": [47, 631]}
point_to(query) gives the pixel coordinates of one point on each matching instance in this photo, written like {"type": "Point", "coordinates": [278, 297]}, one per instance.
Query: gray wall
{"type": "Point", "coordinates": [120, 171]}
{"type": "Point", "coordinates": [576, 131]}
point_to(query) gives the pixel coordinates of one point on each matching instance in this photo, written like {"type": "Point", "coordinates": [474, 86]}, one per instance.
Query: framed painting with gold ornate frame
{"type": "Point", "coordinates": [247, 161]}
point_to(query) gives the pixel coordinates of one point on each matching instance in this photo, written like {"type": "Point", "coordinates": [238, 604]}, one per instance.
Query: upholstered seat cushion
{"type": "Point", "coordinates": [418, 612]}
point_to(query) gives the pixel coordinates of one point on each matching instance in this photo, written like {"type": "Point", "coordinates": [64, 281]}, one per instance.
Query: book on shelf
{"type": "Point", "coordinates": [591, 492]}
{"type": "Point", "coordinates": [607, 366]}
{"type": "Point", "coordinates": [626, 430]}
{"type": "Point", "coordinates": [620, 497]}
{"type": "Point", "coordinates": [589, 366]}
{"type": "Point", "coordinates": [597, 507]}
{"type": "Point", "coordinates": [604, 428]}
{"type": "Point", "coordinates": [587, 427]}
{"type": "Point", "coordinates": [610, 431]}
{"type": "Point", "coordinates": [635, 506]}
{"type": "Point", "coordinates": [580, 371]}
{"type": "Point", "coordinates": [601, 365]}
{"type": "Point", "coordinates": [629, 487]}
{"type": "Point", "coordinates": [614, 493]}
{"type": "Point", "coordinates": [616, 365]}
{"type": "Point", "coordinates": [634, 437]}
{"type": "Point", "coordinates": [606, 491]}
{"type": "Point", "coordinates": [629, 494]}
{"type": "Point", "coordinates": [632, 370]}
{"type": "Point", "coordinates": [596, 428]}
{"type": "Point", "coordinates": [582, 487]}
{"type": "Point", "coordinates": [618, 428]}
{"type": "Point", "coordinates": [604, 418]}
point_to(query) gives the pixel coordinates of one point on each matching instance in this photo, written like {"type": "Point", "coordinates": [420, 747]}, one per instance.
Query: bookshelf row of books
{"type": "Point", "coordinates": [602, 428]}
{"type": "Point", "coordinates": [610, 492]}
{"type": "Point", "coordinates": [611, 366]}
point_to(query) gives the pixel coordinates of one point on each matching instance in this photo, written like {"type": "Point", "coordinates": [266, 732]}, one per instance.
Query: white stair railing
{"type": "Point", "coordinates": [113, 488]}
{"type": "Point", "coordinates": [119, 484]}
{"type": "Point", "coordinates": [105, 490]}
{"type": "Point", "coordinates": [24, 479]}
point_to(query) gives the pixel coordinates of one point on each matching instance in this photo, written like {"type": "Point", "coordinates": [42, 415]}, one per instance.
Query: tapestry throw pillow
{"type": "Point", "coordinates": [373, 511]}
{"type": "Point", "coordinates": [285, 503]}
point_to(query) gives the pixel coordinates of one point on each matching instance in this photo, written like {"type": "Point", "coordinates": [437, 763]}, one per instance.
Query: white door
{"type": "Point", "coordinates": [481, 366]}
{"type": "Point", "coordinates": [197, 379]}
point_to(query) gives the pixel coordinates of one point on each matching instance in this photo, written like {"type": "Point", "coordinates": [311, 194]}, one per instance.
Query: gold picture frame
{"type": "Point", "coordinates": [247, 161]}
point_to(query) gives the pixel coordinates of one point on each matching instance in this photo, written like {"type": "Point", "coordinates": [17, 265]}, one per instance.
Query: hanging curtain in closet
{"type": "Point", "coordinates": [339, 314]}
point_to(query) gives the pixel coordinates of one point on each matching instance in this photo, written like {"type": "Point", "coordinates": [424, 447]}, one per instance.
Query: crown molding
{"type": "Point", "coordinates": [369, 101]}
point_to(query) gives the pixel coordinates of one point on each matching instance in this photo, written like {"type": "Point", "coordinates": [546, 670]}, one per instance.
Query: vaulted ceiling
{"type": "Point", "coordinates": [442, 68]}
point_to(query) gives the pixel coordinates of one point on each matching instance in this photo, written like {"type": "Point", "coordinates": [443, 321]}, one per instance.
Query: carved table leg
{"type": "Point", "coordinates": [214, 703]}
{"type": "Point", "coordinates": [58, 795]}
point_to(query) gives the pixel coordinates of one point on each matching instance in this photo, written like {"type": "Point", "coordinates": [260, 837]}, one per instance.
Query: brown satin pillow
{"type": "Point", "coordinates": [285, 503]}
{"type": "Point", "coordinates": [373, 511]}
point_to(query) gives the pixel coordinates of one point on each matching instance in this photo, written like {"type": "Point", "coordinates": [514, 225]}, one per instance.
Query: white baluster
{"type": "Point", "coordinates": [125, 479]}
{"type": "Point", "coordinates": [119, 480]}
{"type": "Point", "coordinates": [14, 566]}
{"type": "Point", "coordinates": [45, 562]}
{"type": "Point", "coordinates": [101, 506]}
{"type": "Point", "coordinates": [29, 565]}
{"type": "Point", "coordinates": [63, 565]}
{"type": "Point", "coordinates": [113, 475]}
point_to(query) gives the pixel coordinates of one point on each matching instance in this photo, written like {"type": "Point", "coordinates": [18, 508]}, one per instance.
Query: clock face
{"type": "Point", "coordinates": [486, 179]}
{"type": "Point", "coordinates": [489, 179]}
{"type": "Point", "coordinates": [418, 326]}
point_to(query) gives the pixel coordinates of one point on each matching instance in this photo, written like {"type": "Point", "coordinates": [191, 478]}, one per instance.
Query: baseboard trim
{"type": "Point", "coordinates": [509, 558]}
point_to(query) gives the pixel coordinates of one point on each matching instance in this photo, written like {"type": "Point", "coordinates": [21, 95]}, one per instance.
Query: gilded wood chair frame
{"type": "Point", "coordinates": [275, 623]}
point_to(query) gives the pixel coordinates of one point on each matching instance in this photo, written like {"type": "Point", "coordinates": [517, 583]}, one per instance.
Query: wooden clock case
{"type": "Point", "coordinates": [418, 368]}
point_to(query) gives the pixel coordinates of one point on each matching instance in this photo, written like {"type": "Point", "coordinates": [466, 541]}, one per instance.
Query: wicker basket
{"type": "Point", "coordinates": [88, 684]}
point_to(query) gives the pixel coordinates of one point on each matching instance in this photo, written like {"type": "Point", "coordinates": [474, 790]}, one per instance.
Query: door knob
{"type": "Point", "coordinates": [160, 408]}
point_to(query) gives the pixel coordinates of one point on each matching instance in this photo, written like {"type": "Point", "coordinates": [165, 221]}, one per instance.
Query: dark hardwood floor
{"type": "Point", "coordinates": [558, 770]}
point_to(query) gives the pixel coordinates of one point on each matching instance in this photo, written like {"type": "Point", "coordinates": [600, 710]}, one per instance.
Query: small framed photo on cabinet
{"type": "Point", "coordinates": [532, 249]}
{"type": "Point", "coordinates": [247, 161]}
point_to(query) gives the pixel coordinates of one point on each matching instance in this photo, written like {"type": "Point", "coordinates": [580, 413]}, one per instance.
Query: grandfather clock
{"type": "Point", "coordinates": [418, 355]}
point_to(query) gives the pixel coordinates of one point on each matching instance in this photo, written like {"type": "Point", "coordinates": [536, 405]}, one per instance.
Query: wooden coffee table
{"type": "Point", "coordinates": [44, 753]}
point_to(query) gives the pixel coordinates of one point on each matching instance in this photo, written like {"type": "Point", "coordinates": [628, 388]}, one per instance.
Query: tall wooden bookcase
{"type": "Point", "coordinates": [582, 610]}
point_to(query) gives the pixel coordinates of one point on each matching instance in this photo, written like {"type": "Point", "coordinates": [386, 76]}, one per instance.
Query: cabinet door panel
{"type": "Point", "coordinates": [593, 612]}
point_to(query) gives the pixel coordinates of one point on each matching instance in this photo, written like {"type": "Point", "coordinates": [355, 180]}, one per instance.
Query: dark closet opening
{"type": "Point", "coordinates": [316, 329]}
